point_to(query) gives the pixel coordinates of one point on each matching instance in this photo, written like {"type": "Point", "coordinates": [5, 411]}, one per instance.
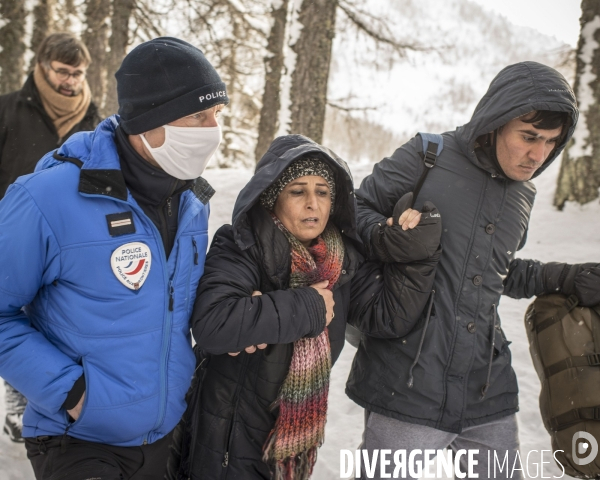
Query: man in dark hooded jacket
{"type": "Point", "coordinates": [449, 382]}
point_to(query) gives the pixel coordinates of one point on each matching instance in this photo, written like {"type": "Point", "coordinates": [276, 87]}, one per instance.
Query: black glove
{"type": "Point", "coordinates": [392, 244]}
{"type": "Point", "coordinates": [581, 280]}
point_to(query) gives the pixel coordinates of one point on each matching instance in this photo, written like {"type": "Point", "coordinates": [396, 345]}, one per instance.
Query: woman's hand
{"type": "Point", "coordinates": [409, 219]}
{"type": "Point", "coordinates": [251, 348]}
{"type": "Point", "coordinates": [327, 295]}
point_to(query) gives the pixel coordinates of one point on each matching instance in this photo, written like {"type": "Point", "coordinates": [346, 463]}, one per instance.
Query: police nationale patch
{"type": "Point", "coordinates": [131, 264]}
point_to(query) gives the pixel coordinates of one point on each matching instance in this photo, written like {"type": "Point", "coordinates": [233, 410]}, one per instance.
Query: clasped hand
{"type": "Point", "coordinates": [409, 235]}
{"type": "Point", "coordinates": [322, 290]}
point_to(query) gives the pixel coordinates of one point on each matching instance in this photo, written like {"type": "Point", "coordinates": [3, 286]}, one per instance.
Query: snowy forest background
{"type": "Point", "coordinates": [362, 77]}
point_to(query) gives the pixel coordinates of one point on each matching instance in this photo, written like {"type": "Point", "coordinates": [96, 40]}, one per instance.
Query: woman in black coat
{"type": "Point", "coordinates": [285, 277]}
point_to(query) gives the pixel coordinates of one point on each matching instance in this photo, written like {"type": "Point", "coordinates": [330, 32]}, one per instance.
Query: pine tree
{"type": "Point", "coordinates": [95, 38]}
{"type": "Point", "coordinates": [119, 39]}
{"type": "Point", "coordinates": [43, 25]}
{"type": "Point", "coordinates": [274, 65]}
{"type": "Point", "coordinates": [308, 96]}
{"type": "Point", "coordinates": [12, 46]}
{"type": "Point", "coordinates": [579, 176]}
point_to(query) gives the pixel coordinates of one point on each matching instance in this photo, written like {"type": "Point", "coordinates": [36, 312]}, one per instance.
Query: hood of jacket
{"type": "Point", "coordinates": [282, 153]}
{"type": "Point", "coordinates": [517, 90]}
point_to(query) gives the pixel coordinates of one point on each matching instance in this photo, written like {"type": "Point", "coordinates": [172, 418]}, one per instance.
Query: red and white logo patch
{"type": "Point", "coordinates": [131, 264]}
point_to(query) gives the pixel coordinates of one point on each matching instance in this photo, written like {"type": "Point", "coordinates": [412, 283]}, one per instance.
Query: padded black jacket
{"type": "Point", "coordinates": [235, 414]}
{"type": "Point", "coordinates": [463, 374]}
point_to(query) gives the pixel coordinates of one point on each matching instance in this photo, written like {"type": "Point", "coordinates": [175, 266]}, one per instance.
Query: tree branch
{"type": "Point", "coordinates": [354, 15]}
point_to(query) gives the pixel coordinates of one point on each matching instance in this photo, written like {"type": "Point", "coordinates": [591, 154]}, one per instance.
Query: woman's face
{"type": "Point", "coordinates": [303, 207]}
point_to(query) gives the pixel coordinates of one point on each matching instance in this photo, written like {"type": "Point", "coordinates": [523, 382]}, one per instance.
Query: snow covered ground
{"type": "Point", "coordinates": [571, 236]}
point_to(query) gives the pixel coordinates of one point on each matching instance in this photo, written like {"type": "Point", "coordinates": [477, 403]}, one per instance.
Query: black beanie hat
{"type": "Point", "coordinates": [165, 79]}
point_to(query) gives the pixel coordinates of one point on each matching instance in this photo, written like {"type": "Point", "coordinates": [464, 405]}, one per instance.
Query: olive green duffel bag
{"type": "Point", "coordinates": [564, 341]}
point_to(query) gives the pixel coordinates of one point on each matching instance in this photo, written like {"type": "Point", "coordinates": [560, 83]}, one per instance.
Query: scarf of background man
{"type": "Point", "coordinates": [300, 427]}
{"type": "Point", "coordinates": [65, 112]}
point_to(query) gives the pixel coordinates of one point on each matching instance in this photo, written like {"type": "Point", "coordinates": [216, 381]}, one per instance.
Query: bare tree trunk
{"type": "Point", "coordinates": [65, 16]}
{"type": "Point", "coordinates": [119, 39]}
{"type": "Point", "coordinates": [274, 64]}
{"type": "Point", "coordinates": [95, 38]}
{"type": "Point", "coordinates": [229, 68]}
{"type": "Point", "coordinates": [579, 176]}
{"type": "Point", "coordinates": [12, 46]}
{"type": "Point", "coordinates": [311, 73]}
{"type": "Point", "coordinates": [43, 25]}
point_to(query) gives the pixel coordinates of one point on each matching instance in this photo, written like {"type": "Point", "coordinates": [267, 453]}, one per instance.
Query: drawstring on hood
{"type": "Point", "coordinates": [485, 388]}
{"type": "Point", "coordinates": [410, 370]}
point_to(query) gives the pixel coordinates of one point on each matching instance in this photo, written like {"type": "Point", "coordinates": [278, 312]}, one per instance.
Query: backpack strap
{"type": "Point", "coordinates": [74, 161]}
{"type": "Point", "coordinates": [563, 311]}
{"type": "Point", "coordinates": [592, 360]}
{"type": "Point", "coordinates": [433, 144]}
{"type": "Point", "coordinates": [574, 416]}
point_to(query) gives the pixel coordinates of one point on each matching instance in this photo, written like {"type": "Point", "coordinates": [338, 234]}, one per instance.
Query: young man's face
{"type": "Point", "coordinates": [65, 79]}
{"type": "Point", "coordinates": [522, 149]}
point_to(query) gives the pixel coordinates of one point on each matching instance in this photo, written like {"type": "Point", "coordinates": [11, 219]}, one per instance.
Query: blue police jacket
{"type": "Point", "coordinates": [85, 287]}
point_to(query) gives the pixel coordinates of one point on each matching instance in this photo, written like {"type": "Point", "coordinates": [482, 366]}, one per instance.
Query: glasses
{"type": "Point", "coordinates": [63, 75]}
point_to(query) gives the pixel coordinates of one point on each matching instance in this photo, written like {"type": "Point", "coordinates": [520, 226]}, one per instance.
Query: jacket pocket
{"type": "Point", "coordinates": [72, 424]}
{"type": "Point", "coordinates": [500, 342]}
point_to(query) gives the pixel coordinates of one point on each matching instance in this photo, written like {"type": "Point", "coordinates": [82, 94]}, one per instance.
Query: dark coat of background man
{"type": "Point", "coordinates": [103, 247]}
{"type": "Point", "coordinates": [54, 103]}
{"type": "Point", "coordinates": [464, 390]}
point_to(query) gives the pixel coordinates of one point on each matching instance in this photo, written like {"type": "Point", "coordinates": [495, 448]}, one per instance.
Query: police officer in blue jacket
{"type": "Point", "coordinates": [102, 249]}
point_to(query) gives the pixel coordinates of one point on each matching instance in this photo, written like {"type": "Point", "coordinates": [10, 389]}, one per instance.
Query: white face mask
{"type": "Point", "coordinates": [186, 151]}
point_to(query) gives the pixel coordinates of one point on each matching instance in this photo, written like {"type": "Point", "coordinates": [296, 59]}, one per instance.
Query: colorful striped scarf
{"type": "Point", "coordinates": [300, 427]}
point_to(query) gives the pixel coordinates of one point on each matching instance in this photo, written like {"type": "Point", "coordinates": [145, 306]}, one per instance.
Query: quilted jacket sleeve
{"type": "Point", "coordinates": [387, 299]}
{"type": "Point", "coordinates": [379, 192]}
{"type": "Point", "coordinates": [29, 262]}
{"type": "Point", "coordinates": [527, 278]}
{"type": "Point", "coordinates": [227, 318]}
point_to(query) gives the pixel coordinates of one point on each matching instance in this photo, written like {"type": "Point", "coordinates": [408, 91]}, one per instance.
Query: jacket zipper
{"type": "Point", "coordinates": [164, 226]}
{"type": "Point", "coordinates": [200, 370]}
{"type": "Point", "coordinates": [166, 323]}
{"type": "Point", "coordinates": [195, 247]}
{"type": "Point", "coordinates": [225, 463]}
{"type": "Point", "coordinates": [167, 328]}
{"type": "Point", "coordinates": [189, 275]}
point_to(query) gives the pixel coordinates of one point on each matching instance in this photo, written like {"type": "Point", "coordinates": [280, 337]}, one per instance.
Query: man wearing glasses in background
{"type": "Point", "coordinates": [54, 103]}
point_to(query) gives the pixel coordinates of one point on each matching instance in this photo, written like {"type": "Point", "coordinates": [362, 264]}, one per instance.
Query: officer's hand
{"type": "Point", "coordinates": [327, 295]}
{"type": "Point", "coordinates": [251, 348]}
{"type": "Point", "coordinates": [410, 236]}
{"type": "Point", "coordinates": [76, 410]}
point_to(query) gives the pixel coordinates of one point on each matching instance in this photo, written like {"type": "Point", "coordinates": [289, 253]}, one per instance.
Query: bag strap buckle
{"type": "Point", "coordinates": [594, 359]}
{"type": "Point", "coordinates": [430, 155]}
{"type": "Point", "coordinates": [571, 302]}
